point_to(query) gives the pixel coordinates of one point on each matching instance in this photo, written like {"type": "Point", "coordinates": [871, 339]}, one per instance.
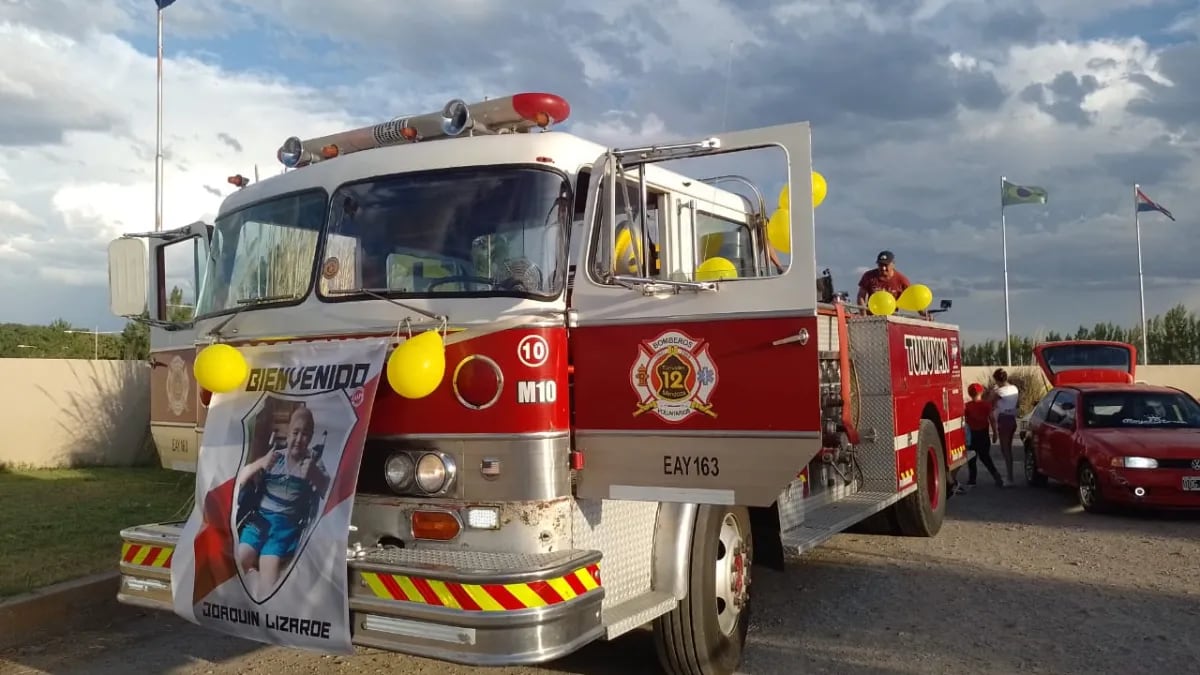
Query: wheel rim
{"type": "Point", "coordinates": [1029, 465]}
{"type": "Point", "coordinates": [1087, 486]}
{"type": "Point", "coordinates": [732, 574]}
{"type": "Point", "coordinates": [933, 478]}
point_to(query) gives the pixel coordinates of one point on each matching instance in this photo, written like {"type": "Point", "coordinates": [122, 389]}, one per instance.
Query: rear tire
{"type": "Point", "coordinates": [706, 632]}
{"type": "Point", "coordinates": [921, 513]}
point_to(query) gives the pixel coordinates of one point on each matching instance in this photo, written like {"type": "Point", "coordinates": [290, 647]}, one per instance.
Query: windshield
{"type": "Point", "coordinates": [478, 231]}
{"type": "Point", "coordinates": [263, 253]}
{"type": "Point", "coordinates": [1079, 357]}
{"type": "Point", "coordinates": [1126, 409]}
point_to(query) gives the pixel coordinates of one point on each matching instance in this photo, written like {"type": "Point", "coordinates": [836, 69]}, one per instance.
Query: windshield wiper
{"type": "Point", "coordinates": [377, 294]}
{"type": "Point", "coordinates": [247, 303]}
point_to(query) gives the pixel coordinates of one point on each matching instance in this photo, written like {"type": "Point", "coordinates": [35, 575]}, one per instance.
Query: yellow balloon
{"type": "Point", "coordinates": [819, 190]}
{"type": "Point", "coordinates": [779, 231]}
{"type": "Point", "coordinates": [220, 368]}
{"type": "Point", "coordinates": [417, 365]}
{"type": "Point", "coordinates": [881, 303]}
{"type": "Point", "coordinates": [626, 250]}
{"type": "Point", "coordinates": [716, 268]}
{"type": "Point", "coordinates": [915, 298]}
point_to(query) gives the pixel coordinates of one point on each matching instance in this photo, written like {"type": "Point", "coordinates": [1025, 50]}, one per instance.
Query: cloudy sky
{"type": "Point", "coordinates": [918, 108]}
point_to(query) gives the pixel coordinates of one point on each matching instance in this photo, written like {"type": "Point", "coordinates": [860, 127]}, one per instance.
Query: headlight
{"type": "Point", "coordinates": [433, 472]}
{"type": "Point", "coordinates": [398, 471]}
{"type": "Point", "coordinates": [1135, 462]}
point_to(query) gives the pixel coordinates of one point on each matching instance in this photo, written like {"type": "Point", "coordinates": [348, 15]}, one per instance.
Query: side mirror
{"type": "Point", "coordinates": [127, 274]}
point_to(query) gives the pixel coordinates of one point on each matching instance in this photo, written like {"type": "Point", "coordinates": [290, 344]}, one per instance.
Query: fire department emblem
{"type": "Point", "coordinates": [178, 383]}
{"type": "Point", "coordinates": [674, 377]}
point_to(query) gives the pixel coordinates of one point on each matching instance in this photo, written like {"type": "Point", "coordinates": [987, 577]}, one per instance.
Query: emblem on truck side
{"type": "Point", "coordinates": [178, 383]}
{"type": "Point", "coordinates": [674, 377]}
{"type": "Point", "coordinates": [927, 355]}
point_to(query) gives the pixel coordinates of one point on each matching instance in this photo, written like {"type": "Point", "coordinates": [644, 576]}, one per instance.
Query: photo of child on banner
{"type": "Point", "coordinates": [279, 491]}
{"type": "Point", "coordinates": [263, 554]}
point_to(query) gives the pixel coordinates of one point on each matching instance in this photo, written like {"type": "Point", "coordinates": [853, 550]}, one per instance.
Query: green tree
{"type": "Point", "coordinates": [1173, 338]}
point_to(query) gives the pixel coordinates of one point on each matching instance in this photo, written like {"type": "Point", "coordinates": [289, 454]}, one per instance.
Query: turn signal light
{"type": "Point", "coordinates": [435, 525]}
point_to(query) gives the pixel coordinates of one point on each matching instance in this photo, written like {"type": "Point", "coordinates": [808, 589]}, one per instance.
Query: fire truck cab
{"type": "Point", "coordinates": [641, 402]}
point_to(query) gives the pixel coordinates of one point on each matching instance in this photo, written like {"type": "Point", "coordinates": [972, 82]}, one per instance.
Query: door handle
{"type": "Point", "coordinates": [801, 337]}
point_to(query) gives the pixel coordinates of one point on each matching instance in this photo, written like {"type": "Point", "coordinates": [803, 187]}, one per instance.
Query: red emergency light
{"type": "Point", "coordinates": [518, 113]}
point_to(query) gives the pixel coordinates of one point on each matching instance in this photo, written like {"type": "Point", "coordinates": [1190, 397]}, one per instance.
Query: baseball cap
{"type": "Point", "coordinates": [975, 388]}
{"type": "Point", "coordinates": [884, 257]}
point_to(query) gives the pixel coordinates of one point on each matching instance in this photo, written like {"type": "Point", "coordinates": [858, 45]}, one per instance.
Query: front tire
{"type": "Point", "coordinates": [922, 512]}
{"type": "Point", "coordinates": [706, 632]}
{"type": "Point", "coordinates": [1087, 490]}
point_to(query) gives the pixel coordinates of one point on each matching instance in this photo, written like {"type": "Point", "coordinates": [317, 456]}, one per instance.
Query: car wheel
{"type": "Point", "coordinates": [1032, 475]}
{"type": "Point", "coordinates": [1088, 490]}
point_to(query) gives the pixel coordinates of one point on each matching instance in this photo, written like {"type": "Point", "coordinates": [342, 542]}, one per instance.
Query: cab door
{"type": "Point", "coordinates": [175, 270]}
{"type": "Point", "coordinates": [695, 359]}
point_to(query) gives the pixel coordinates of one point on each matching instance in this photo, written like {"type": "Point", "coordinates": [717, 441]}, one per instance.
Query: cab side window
{"type": "Point", "coordinates": [634, 252]}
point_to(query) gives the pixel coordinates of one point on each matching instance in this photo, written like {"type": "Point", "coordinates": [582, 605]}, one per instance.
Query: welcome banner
{"type": "Point", "coordinates": [263, 554]}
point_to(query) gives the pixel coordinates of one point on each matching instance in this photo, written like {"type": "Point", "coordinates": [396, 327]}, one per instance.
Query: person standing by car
{"type": "Point", "coordinates": [978, 416]}
{"type": "Point", "coordinates": [1004, 401]}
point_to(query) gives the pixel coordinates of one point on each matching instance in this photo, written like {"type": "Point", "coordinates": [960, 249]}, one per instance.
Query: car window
{"type": "Point", "coordinates": [1061, 411]}
{"type": "Point", "coordinates": [1039, 411]}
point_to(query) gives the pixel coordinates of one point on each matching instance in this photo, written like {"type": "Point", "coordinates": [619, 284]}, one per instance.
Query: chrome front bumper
{"type": "Point", "coordinates": [467, 607]}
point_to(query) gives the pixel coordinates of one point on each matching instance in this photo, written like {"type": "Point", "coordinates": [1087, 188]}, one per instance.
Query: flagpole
{"type": "Point", "coordinates": [158, 157]}
{"type": "Point", "coordinates": [1004, 253]}
{"type": "Point", "coordinates": [1137, 229]}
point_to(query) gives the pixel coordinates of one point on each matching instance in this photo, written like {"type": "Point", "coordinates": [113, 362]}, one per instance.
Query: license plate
{"type": "Point", "coordinates": [1191, 483]}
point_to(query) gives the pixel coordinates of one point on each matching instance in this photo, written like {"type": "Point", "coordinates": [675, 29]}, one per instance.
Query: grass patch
{"type": "Point", "coordinates": [62, 524]}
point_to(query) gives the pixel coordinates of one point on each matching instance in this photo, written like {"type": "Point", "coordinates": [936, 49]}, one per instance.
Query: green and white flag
{"type": "Point", "coordinates": [1012, 194]}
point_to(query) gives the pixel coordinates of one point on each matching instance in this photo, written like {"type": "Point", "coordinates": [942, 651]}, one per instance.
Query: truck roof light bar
{"type": "Point", "coordinates": [518, 113]}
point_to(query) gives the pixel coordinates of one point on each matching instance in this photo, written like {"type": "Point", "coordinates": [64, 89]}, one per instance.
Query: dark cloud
{"type": "Point", "coordinates": [1159, 162]}
{"type": "Point", "coordinates": [1062, 98]}
{"type": "Point", "coordinates": [1176, 104]}
{"type": "Point", "coordinates": [230, 141]}
{"type": "Point", "coordinates": [27, 122]}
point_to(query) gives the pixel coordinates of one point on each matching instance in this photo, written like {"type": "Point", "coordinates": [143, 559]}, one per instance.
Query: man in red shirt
{"type": "Point", "coordinates": [885, 277]}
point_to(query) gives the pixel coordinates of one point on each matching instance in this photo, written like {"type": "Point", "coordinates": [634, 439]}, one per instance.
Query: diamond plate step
{"type": "Point", "coordinates": [635, 612]}
{"type": "Point", "coordinates": [834, 517]}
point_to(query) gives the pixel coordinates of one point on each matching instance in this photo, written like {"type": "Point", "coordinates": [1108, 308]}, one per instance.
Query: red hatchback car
{"type": "Point", "coordinates": [1118, 442]}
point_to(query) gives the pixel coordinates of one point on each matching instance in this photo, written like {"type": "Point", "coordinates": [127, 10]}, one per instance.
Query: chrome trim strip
{"type": "Point", "coordinates": [575, 322]}
{"type": "Point", "coordinates": [144, 572]}
{"type": "Point", "coordinates": [416, 611]}
{"type": "Point", "coordinates": [692, 433]}
{"type": "Point", "coordinates": [552, 319]}
{"type": "Point", "coordinates": [521, 436]}
{"type": "Point", "coordinates": [469, 576]}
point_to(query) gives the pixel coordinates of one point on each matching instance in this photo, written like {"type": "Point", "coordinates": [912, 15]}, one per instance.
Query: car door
{"type": "Point", "coordinates": [1059, 436]}
{"type": "Point", "coordinates": [689, 390]}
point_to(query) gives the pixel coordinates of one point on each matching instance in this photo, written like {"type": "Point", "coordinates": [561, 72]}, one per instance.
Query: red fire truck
{"type": "Point", "coordinates": [618, 439]}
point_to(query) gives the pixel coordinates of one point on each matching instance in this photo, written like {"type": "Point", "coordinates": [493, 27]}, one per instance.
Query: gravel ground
{"type": "Point", "coordinates": [1019, 581]}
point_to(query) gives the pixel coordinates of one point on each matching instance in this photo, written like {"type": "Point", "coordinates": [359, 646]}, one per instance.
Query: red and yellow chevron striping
{"type": "Point", "coordinates": [147, 556]}
{"type": "Point", "coordinates": [484, 597]}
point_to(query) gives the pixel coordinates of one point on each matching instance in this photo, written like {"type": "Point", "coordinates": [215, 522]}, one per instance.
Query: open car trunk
{"type": "Point", "coordinates": [1083, 361]}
